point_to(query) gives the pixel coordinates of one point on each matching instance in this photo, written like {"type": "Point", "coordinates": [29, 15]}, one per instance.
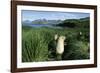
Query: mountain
{"type": "Point", "coordinates": [44, 21]}
{"type": "Point", "coordinates": [41, 21]}
{"type": "Point", "coordinates": [26, 22]}
{"type": "Point", "coordinates": [54, 21]}
{"type": "Point", "coordinates": [84, 19]}
{"type": "Point", "coordinates": [82, 22]}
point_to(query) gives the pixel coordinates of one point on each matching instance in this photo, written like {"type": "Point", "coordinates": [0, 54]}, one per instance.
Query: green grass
{"type": "Point", "coordinates": [35, 43]}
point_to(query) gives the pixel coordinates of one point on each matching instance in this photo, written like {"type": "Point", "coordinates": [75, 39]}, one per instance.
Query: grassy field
{"type": "Point", "coordinates": [36, 44]}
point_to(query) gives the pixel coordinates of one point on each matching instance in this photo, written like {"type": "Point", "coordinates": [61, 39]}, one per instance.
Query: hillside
{"type": "Point", "coordinates": [81, 23]}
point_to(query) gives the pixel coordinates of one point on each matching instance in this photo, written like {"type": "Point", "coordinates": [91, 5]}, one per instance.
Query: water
{"type": "Point", "coordinates": [40, 25]}
{"type": "Point", "coordinates": [43, 25]}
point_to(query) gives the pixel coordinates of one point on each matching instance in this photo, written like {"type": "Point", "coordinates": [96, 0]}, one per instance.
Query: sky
{"type": "Point", "coordinates": [51, 15]}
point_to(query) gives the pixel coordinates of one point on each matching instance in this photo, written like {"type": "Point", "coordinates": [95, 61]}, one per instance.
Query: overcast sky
{"type": "Point", "coordinates": [51, 15]}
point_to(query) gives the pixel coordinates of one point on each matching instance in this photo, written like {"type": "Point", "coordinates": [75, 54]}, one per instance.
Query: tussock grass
{"type": "Point", "coordinates": [35, 43]}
